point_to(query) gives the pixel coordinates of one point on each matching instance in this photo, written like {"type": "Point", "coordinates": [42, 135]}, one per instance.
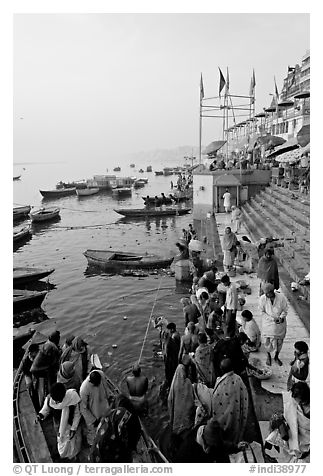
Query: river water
{"type": "Point", "coordinates": [94, 305]}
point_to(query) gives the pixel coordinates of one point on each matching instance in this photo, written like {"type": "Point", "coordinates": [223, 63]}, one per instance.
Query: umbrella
{"type": "Point", "coordinates": [213, 147]}
{"type": "Point", "coordinates": [291, 157]}
{"type": "Point", "coordinates": [303, 135]}
{"type": "Point", "coordinates": [286, 103]}
{"type": "Point", "coordinates": [302, 95]}
{"type": "Point", "coordinates": [269, 141]}
{"type": "Point", "coordinates": [305, 149]}
{"type": "Point", "coordinates": [289, 145]}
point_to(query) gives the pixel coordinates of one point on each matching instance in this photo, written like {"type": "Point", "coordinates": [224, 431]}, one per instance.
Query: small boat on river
{"type": "Point", "coordinates": [44, 214]}
{"type": "Point", "coordinates": [24, 275]}
{"type": "Point", "coordinates": [159, 172]}
{"type": "Point", "coordinates": [37, 442]}
{"type": "Point", "coordinates": [21, 234]}
{"type": "Point", "coordinates": [109, 259]}
{"type": "Point", "coordinates": [57, 193]}
{"type": "Point", "coordinates": [16, 177]}
{"type": "Point", "coordinates": [151, 212]}
{"type": "Point", "coordinates": [117, 169]}
{"type": "Point", "coordinates": [149, 168]}
{"type": "Point", "coordinates": [132, 166]}
{"type": "Point", "coordinates": [21, 212]}
{"type": "Point", "coordinates": [122, 191]}
{"type": "Point", "coordinates": [85, 192]}
{"type": "Point", "coordinates": [23, 299]}
{"type": "Point", "coordinates": [139, 183]}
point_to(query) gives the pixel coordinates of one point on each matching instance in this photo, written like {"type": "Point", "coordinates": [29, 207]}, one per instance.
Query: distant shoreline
{"type": "Point", "coordinates": [41, 163]}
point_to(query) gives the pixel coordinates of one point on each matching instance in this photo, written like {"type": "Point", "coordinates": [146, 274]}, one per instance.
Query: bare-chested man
{"type": "Point", "coordinates": [137, 386]}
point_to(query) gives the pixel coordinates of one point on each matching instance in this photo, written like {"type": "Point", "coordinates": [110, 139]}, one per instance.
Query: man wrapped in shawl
{"type": "Point", "coordinates": [268, 270]}
{"type": "Point", "coordinates": [181, 406]}
{"type": "Point", "coordinates": [77, 353]}
{"type": "Point", "coordinates": [203, 360]}
{"type": "Point", "coordinates": [67, 404]}
{"type": "Point", "coordinates": [230, 403]}
{"type": "Point", "coordinates": [68, 377]}
{"type": "Point", "coordinates": [229, 247]}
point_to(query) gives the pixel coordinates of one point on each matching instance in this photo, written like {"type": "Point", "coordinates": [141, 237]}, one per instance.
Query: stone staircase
{"type": "Point", "coordinates": [283, 214]}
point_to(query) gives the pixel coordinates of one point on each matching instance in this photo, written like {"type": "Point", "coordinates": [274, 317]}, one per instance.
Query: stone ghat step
{"type": "Point", "coordinates": [281, 229]}
{"type": "Point", "coordinates": [295, 204]}
{"type": "Point", "coordinates": [260, 227]}
{"type": "Point", "coordinates": [301, 217]}
{"type": "Point", "coordinates": [257, 228]}
{"type": "Point", "coordinates": [275, 211]}
{"type": "Point", "coordinates": [293, 251]}
{"type": "Point", "coordinates": [275, 225]}
{"type": "Point", "coordinates": [300, 202]}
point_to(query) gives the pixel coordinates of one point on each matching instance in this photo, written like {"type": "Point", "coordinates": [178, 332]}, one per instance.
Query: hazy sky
{"type": "Point", "coordinates": [97, 85]}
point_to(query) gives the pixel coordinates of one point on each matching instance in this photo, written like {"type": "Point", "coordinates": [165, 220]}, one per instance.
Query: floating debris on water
{"type": "Point", "coordinates": [114, 346]}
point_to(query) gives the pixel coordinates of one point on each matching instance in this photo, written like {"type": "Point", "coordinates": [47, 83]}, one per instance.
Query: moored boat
{"type": "Point", "coordinates": [132, 165]}
{"type": "Point", "coordinates": [109, 259]}
{"type": "Point", "coordinates": [141, 171]}
{"type": "Point", "coordinates": [44, 214]}
{"type": "Point", "coordinates": [122, 191]}
{"type": "Point", "coordinates": [24, 275]}
{"type": "Point", "coordinates": [139, 183]}
{"type": "Point", "coordinates": [20, 212]}
{"type": "Point", "coordinates": [117, 169]}
{"type": "Point", "coordinates": [147, 212]}
{"type": "Point", "coordinates": [85, 192]}
{"type": "Point", "coordinates": [149, 168]}
{"type": "Point", "coordinates": [23, 299]}
{"type": "Point", "coordinates": [37, 442]}
{"type": "Point", "coordinates": [21, 234]}
{"type": "Point", "coordinates": [16, 177]}
{"type": "Point", "coordinates": [159, 172]}
{"type": "Point", "coordinates": [56, 193]}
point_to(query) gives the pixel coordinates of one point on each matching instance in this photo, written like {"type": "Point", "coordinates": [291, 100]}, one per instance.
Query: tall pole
{"type": "Point", "coordinates": [200, 138]}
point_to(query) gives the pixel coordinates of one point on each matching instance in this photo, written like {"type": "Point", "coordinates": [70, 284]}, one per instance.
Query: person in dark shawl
{"type": "Point", "coordinates": [229, 247]}
{"type": "Point", "coordinates": [77, 353]}
{"type": "Point", "coordinates": [203, 360]}
{"type": "Point", "coordinates": [268, 270]}
{"type": "Point", "coordinates": [181, 406]}
{"type": "Point", "coordinates": [46, 364]}
{"type": "Point", "coordinates": [68, 377]}
{"type": "Point", "coordinates": [172, 342]}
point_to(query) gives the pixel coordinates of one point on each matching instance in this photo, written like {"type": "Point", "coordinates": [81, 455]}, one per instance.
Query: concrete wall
{"type": "Point", "coordinates": [202, 199]}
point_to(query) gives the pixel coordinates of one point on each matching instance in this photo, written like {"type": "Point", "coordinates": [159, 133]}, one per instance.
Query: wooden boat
{"type": "Point", "coordinates": [122, 191]}
{"type": "Point", "coordinates": [57, 193]}
{"type": "Point", "coordinates": [132, 166]}
{"type": "Point", "coordinates": [16, 177]}
{"type": "Point", "coordinates": [85, 192]}
{"type": "Point", "coordinates": [159, 172]}
{"type": "Point", "coordinates": [24, 275]}
{"type": "Point", "coordinates": [21, 234]}
{"type": "Point", "coordinates": [36, 442]}
{"type": "Point", "coordinates": [109, 259]}
{"type": "Point", "coordinates": [23, 299]}
{"type": "Point", "coordinates": [117, 169]}
{"type": "Point", "coordinates": [144, 179]}
{"type": "Point", "coordinates": [139, 183]}
{"type": "Point", "coordinates": [150, 212]}
{"type": "Point", "coordinates": [141, 171]}
{"type": "Point", "coordinates": [44, 214]}
{"type": "Point", "coordinates": [20, 212]}
{"type": "Point", "coordinates": [149, 168]}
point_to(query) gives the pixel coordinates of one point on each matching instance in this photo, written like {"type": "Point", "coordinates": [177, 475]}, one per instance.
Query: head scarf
{"type": "Point", "coordinates": [229, 240]}
{"type": "Point", "coordinates": [267, 287]}
{"type": "Point", "coordinates": [210, 276]}
{"type": "Point", "coordinates": [67, 369]}
{"type": "Point", "coordinates": [79, 345]}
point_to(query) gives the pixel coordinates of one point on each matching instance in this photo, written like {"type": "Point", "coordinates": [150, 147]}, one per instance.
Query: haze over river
{"type": "Point", "coordinates": [94, 305]}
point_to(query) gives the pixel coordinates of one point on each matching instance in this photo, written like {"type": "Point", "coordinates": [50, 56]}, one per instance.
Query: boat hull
{"type": "Point", "coordinates": [148, 212]}
{"type": "Point", "coordinates": [23, 275]}
{"type": "Point", "coordinates": [23, 299]}
{"type": "Point", "coordinates": [85, 192]}
{"type": "Point", "coordinates": [102, 259]}
{"type": "Point", "coordinates": [22, 234]}
{"type": "Point", "coordinates": [21, 212]}
{"type": "Point", "coordinates": [63, 192]}
{"type": "Point", "coordinates": [41, 216]}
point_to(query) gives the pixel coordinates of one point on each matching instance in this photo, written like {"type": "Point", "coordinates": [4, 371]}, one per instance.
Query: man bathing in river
{"type": "Point", "coordinates": [137, 386]}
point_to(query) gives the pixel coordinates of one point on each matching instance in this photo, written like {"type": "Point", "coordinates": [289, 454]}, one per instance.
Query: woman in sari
{"type": "Point", "coordinates": [229, 247]}
{"type": "Point", "coordinates": [268, 270]}
{"type": "Point", "coordinates": [77, 353]}
{"type": "Point", "coordinates": [181, 402]}
{"type": "Point", "coordinates": [203, 360]}
{"type": "Point", "coordinates": [68, 377]}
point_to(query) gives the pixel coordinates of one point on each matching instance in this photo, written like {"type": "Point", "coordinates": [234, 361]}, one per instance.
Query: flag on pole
{"type": "Point", "coordinates": [222, 82]}
{"type": "Point", "coordinates": [227, 83]}
{"type": "Point", "coordinates": [201, 89]}
{"type": "Point", "coordinates": [276, 91]}
{"type": "Point", "coordinates": [252, 87]}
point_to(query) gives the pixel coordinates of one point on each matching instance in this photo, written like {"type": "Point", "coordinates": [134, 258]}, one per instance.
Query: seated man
{"type": "Point", "coordinates": [137, 386]}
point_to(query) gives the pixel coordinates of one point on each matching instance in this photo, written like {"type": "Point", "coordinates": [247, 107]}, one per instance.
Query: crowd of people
{"type": "Point", "coordinates": [206, 375]}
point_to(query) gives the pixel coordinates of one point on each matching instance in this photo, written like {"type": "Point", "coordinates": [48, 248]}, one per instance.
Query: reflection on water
{"type": "Point", "coordinates": [94, 304]}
